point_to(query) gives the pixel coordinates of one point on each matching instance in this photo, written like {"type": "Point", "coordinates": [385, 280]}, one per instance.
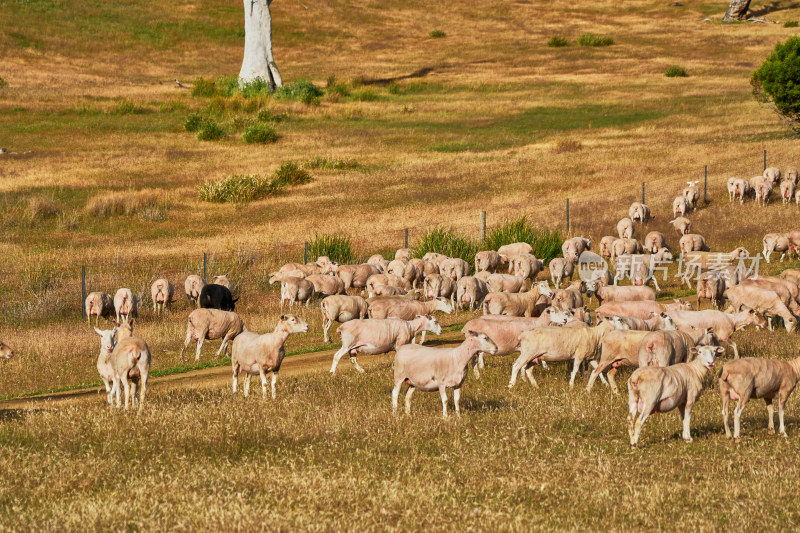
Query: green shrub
{"type": "Point", "coordinates": [260, 133]}
{"type": "Point", "coordinates": [445, 241]}
{"type": "Point", "coordinates": [205, 88]}
{"type": "Point", "coordinates": [437, 34]}
{"type": "Point", "coordinates": [268, 115]}
{"type": "Point", "coordinates": [193, 121]}
{"type": "Point", "coordinates": [210, 131]}
{"type": "Point", "coordinates": [546, 243]}
{"type": "Point", "coordinates": [590, 39]}
{"type": "Point", "coordinates": [237, 188]}
{"type": "Point", "coordinates": [338, 88]}
{"type": "Point", "coordinates": [301, 91]}
{"type": "Point", "coordinates": [394, 88]}
{"type": "Point", "coordinates": [676, 72]}
{"type": "Point", "coordinates": [790, 24]}
{"type": "Point", "coordinates": [557, 41]}
{"type": "Point", "coordinates": [337, 247]}
{"type": "Point", "coordinates": [331, 164]}
{"type": "Point", "coordinates": [253, 88]}
{"type": "Point", "coordinates": [2, 82]}
{"type": "Point", "coordinates": [777, 80]}
{"type": "Point", "coordinates": [290, 173]}
{"type": "Point", "coordinates": [365, 95]}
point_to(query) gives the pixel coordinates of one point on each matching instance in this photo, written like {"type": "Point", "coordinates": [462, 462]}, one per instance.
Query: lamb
{"type": "Point", "coordinates": [574, 247]}
{"type": "Point", "coordinates": [506, 283]}
{"type": "Point", "coordinates": [526, 266]}
{"type": "Point", "coordinates": [772, 174]}
{"type": "Point", "coordinates": [639, 212]}
{"type": "Point", "coordinates": [510, 250]}
{"type": "Point", "coordinates": [385, 279]}
{"type": "Point", "coordinates": [666, 348]}
{"type": "Point", "coordinates": [641, 309]}
{"type": "Point", "coordinates": [431, 369]}
{"type": "Point", "coordinates": [569, 298]}
{"type": "Point", "coordinates": [787, 191]}
{"type": "Point", "coordinates": [753, 377]}
{"type": "Point", "coordinates": [104, 367]}
{"type": "Point", "coordinates": [296, 290]}
{"type": "Point", "coordinates": [130, 359]}
{"type": "Point", "coordinates": [487, 260]}
{"type": "Point", "coordinates": [193, 285]}
{"type": "Point", "coordinates": [605, 245]}
{"type": "Point", "coordinates": [99, 304]}
{"type": "Point", "coordinates": [513, 304]}
{"type": "Point", "coordinates": [775, 242]}
{"type": "Point", "coordinates": [763, 191]}
{"type": "Point", "coordinates": [326, 285]}
{"type": "Point", "coordinates": [692, 193]}
{"type": "Point", "coordinates": [625, 228]}
{"type": "Point", "coordinates": [471, 290]}
{"type": "Point", "coordinates": [711, 286]}
{"type": "Point", "coordinates": [722, 324]}
{"type": "Point", "coordinates": [559, 269]}
{"type": "Point", "coordinates": [731, 185]}
{"type": "Point", "coordinates": [454, 268]}
{"type": "Point", "coordinates": [680, 206]}
{"type": "Point", "coordinates": [341, 308]}
{"type": "Point", "coordinates": [625, 247]}
{"type": "Point", "coordinates": [126, 305]}
{"type": "Point", "coordinates": [436, 286]}
{"type": "Point", "coordinates": [693, 242]}
{"type": "Point", "coordinates": [654, 241]}
{"type": "Point", "coordinates": [356, 276]}
{"type": "Point", "coordinates": [377, 336]}
{"type": "Point", "coordinates": [762, 301]}
{"type": "Point", "coordinates": [224, 281]}
{"type": "Point", "coordinates": [658, 390]}
{"type": "Point", "coordinates": [558, 344]}
{"type": "Point", "coordinates": [260, 354]}
{"type": "Point", "coordinates": [212, 324]}
{"type": "Point", "coordinates": [682, 225]}
{"type": "Point", "coordinates": [161, 292]}
{"type": "Point", "coordinates": [404, 253]}
{"type": "Point", "coordinates": [407, 309]}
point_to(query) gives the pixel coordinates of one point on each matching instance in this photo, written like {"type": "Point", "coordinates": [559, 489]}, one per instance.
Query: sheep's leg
{"type": "Point", "coordinates": [326, 325]}
{"type": "Point", "coordinates": [272, 383]}
{"type": "Point", "coordinates": [481, 363]}
{"type": "Point", "coordinates": [544, 365]}
{"type": "Point", "coordinates": [770, 416]}
{"type": "Point", "coordinates": [769, 323]}
{"type": "Point", "coordinates": [648, 408]}
{"type": "Point", "coordinates": [726, 399]}
{"type": "Point", "coordinates": [443, 395]}
{"type": "Point", "coordinates": [737, 415]}
{"type": "Point", "coordinates": [263, 377]}
{"type": "Point", "coordinates": [515, 369]}
{"type": "Point", "coordinates": [142, 390]}
{"type": "Point", "coordinates": [576, 364]}
{"type": "Point", "coordinates": [422, 340]}
{"type": "Point", "coordinates": [409, 392]}
{"type": "Point", "coordinates": [127, 387]}
{"type": "Point", "coordinates": [529, 375]}
{"type": "Point", "coordinates": [632, 401]}
{"type": "Point", "coordinates": [686, 415]}
{"type": "Point", "coordinates": [246, 384]}
{"type": "Point", "coordinates": [611, 382]}
{"type": "Point", "coordinates": [235, 369]}
{"type": "Point", "coordinates": [337, 356]}
{"type": "Point", "coordinates": [224, 344]}
{"type": "Point", "coordinates": [474, 363]}
{"type": "Point", "coordinates": [781, 403]}
{"type": "Point", "coordinates": [456, 397]}
{"type": "Point", "coordinates": [200, 338]}
{"type": "Point", "coordinates": [395, 394]}
{"type": "Point", "coordinates": [355, 364]}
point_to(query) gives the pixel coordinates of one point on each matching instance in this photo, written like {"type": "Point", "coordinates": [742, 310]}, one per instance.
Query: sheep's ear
{"type": "Point", "coordinates": [130, 322]}
{"type": "Point", "coordinates": [695, 351]}
{"type": "Point", "coordinates": [719, 350]}
{"type": "Point", "coordinates": [99, 331]}
{"type": "Point", "coordinates": [752, 311]}
{"type": "Point", "coordinates": [283, 317]}
{"type": "Point", "coordinates": [116, 324]}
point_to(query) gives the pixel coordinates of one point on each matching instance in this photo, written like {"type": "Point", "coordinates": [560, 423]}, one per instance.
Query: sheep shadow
{"type": "Point", "coordinates": [9, 415]}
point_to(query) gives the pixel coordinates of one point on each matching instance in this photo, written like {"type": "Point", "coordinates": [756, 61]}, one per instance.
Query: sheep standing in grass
{"type": "Point", "coordinates": [212, 324]}
{"type": "Point", "coordinates": [224, 281]}
{"type": "Point", "coordinates": [126, 305]}
{"type": "Point", "coordinates": [624, 229]}
{"type": "Point", "coordinates": [692, 193]}
{"type": "Point", "coordinates": [255, 354]}
{"type": "Point", "coordinates": [99, 304]}
{"type": "Point", "coordinates": [787, 191]}
{"type": "Point", "coordinates": [193, 286]}
{"type": "Point", "coordinates": [131, 361]}
{"type": "Point", "coordinates": [296, 290]}
{"type": "Point", "coordinates": [161, 292]}
{"type": "Point", "coordinates": [104, 366]}
{"type": "Point", "coordinates": [680, 206]}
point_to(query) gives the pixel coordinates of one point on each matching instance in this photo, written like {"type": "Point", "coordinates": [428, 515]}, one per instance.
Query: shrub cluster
{"type": "Point", "coordinates": [260, 133]}
{"type": "Point", "coordinates": [676, 72]}
{"type": "Point", "coordinates": [240, 188]}
{"type": "Point", "coordinates": [777, 80]}
{"type": "Point", "coordinates": [337, 247]}
{"type": "Point", "coordinates": [557, 42]}
{"type": "Point", "coordinates": [437, 34]}
{"type": "Point", "coordinates": [590, 39]}
{"type": "Point", "coordinates": [300, 91]}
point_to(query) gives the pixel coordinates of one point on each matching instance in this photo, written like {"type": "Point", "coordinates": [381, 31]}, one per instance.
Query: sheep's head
{"type": "Point", "coordinates": [107, 338]}
{"type": "Point", "coordinates": [292, 324]}
{"type": "Point", "coordinates": [5, 351]}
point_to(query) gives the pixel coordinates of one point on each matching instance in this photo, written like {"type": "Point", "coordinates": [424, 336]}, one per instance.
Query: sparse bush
{"type": "Point", "coordinates": [365, 95]}
{"type": "Point", "coordinates": [437, 34]}
{"type": "Point", "coordinates": [557, 41]}
{"type": "Point", "coordinates": [790, 24]}
{"type": "Point", "coordinates": [289, 173]}
{"type": "Point", "coordinates": [253, 88]}
{"type": "Point", "coordinates": [546, 243]}
{"type": "Point", "coordinates": [269, 115]}
{"type": "Point", "coordinates": [210, 131]}
{"type": "Point", "coordinates": [676, 72]}
{"type": "Point", "coordinates": [339, 88]}
{"type": "Point", "coordinates": [337, 247]}
{"type": "Point", "coordinates": [237, 188]}
{"type": "Point", "coordinates": [331, 164]}
{"type": "Point", "coordinates": [777, 81]}
{"type": "Point", "coordinates": [302, 91]}
{"type": "Point", "coordinates": [193, 122]}
{"type": "Point", "coordinates": [394, 88]}
{"type": "Point", "coordinates": [445, 241]}
{"type": "Point", "coordinates": [123, 203]}
{"type": "Point", "coordinates": [41, 207]}
{"type": "Point", "coordinates": [152, 213]}
{"type": "Point", "coordinates": [568, 146]}
{"type": "Point", "coordinates": [205, 88]}
{"type": "Point", "coordinates": [590, 39]}
{"type": "Point", "coordinates": [69, 221]}
{"type": "Point", "coordinates": [260, 133]}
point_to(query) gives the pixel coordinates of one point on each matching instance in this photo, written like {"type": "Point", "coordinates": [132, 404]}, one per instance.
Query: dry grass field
{"type": "Point", "coordinates": [487, 117]}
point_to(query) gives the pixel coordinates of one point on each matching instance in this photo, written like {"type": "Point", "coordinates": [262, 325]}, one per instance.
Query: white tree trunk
{"type": "Point", "coordinates": [258, 61]}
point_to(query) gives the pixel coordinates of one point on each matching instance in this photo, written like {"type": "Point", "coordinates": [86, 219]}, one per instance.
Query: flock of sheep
{"type": "Point", "coordinates": [383, 306]}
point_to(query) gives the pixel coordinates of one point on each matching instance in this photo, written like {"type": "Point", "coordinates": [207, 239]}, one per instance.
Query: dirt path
{"type": "Point", "coordinates": [219, 376]}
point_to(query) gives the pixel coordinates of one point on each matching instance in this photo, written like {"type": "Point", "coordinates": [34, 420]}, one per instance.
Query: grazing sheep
{"type": "Point", "coordinates": [654, 241]}
{"type": "Point", "coordinates": [787, 191]}
{"type": "Point", "coordinates": [639, 212]}
{"type": "Point", "coordinates": [99, 304]}
{"type": "Point", "coordinates": [722, 324]}
{"type": "Point", "coordinates": [741, 188]}
{"type": "Point", "coordinates": [753, 377]}
{"type": "Point", "coordinates": [356, 276]}
{"type": "Point", "coordinates": [278, 277]}
{"type": "Point", "coordinates": [126, 305]}
{"type": "Point", "coordinates": [517, 304]}
{"type": "Point", "coordinates": [772, 174]}
{"type": "Point", "coordinates": [526, 266]}
{"type": "Point", "coordinates": [377, 336]}
{"type": "Point", "coordinates": [692, 193]}
{"type": "Point", "coordinates": [711, 286]}
{"type": "Point", "coordinates": [224, 281]}
{"type": "Point", "coordinates": [404, 269]}
{"type": "Point", "coordinates": [162, 293]}
{"type": "Point", "coordinates": [625, 247]}
{"type": "Point", "coordinates": [682, 225]}
{"type": "Point", "coordinates": [385, 279]}
{"type": "Point", "coordinates": [471, 290]}
{"type": "Point", "coordinates": [510, 250]}
{"type": "Point", "coordinates": [386, 290]}
{"type": "Point", "coordinates": [569, 298]}
{"type": "Point", "coordinates": [212, 324]}
{"type": "Point", "coordinates": [693, 242]}
{"type": "Point", "coordinates": [506, 283]}
{"type": "Point", "coordinates": [341, 308]}
{"type": "Point", "coordinates": [454, 268]}
{"type": "Point", "coordinates": [130, 360]}
{"type": "Point", "coordinates": [763, 191]}
{"type": "Point", "coordinates": [775, 242]}
{"type": "Point", "coordinates": [432, 369]}
{"type": "Point", "coordinates": [762, 301]}
{"type": "Point", "coordinates": [296, 290]}
{"type": "Point", "coordinates": [404, 253]}
{"type": "Point", "coordinates": [625, 228]}
{"type": "Point", "coordinates": [488, 260]}
{"type": "Point", "coordinates": [639, 309]}
{"type": "Point", "coordinates": [104, 366]}
{"type": "Point", "coordinates": [407, 309]}
{"type": "Point", "coordinates": [605, 245]}
{"type": "Point", "coordinates": [559, 269]}
{"type": "Point", "coordinates": [256, 354]}
{"type": "Point", "coordinates": [217, 297]}
{"type": "Point", "coordinates": [438, 286]}
{"type": "Point", "coordinates": [792, 174]}
{"type": "Point", "coordinates": [680, 206]}
{"type": "Point", "coordinates": [326, 285]}
{"type": "Point", "coordinates": [658, 390]}
{"type": "Point", "coordinates": [574, 247]}
{"type": "Point", "coordinates": [379, 261]}
{"type": "Point", "coordinates": [193, 285]}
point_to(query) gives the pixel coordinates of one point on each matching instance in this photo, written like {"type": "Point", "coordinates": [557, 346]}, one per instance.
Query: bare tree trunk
{"type": "Point", "coordinates": [258, 61]}
{"type": "Point", "coordinates": [737, 10]}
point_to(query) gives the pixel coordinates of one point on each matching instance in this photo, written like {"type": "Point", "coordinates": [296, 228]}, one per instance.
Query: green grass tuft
{"type": "Point", "coordinates": [676, 72]}
{"type": "Point", "coordinates": [209, 130]}
{"type": "Point", "coordinates": [260, 133]}
{"type": "Point", "coordinates": [437, 34]}
{"type": "Point", "coordinates": [557, 42]}
{"type": "Point", "coordinates": [290, 173]}
{"type": "Point", "coordinates": [790, 24]}
{"type": "Point", "coordinates": [331, 164]}
{"type": "Point", "coordinates": [445, 241]}
{"type": "Point", "coordinates": [546, 243]}
{"type": "Point", "coordinates": [237, 188]}
{"type": "Point", "coordinates": [590, 39]}
{"type": "Point", "coordinates": [193, 122]}
{"type": "Point", "coordinates": [301, 91]}
{"type": "Point", "coordinates": [337, 247]}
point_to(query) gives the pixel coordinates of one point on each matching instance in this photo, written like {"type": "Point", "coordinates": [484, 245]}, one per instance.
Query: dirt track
{"type": "Point", "coordinates": [219, 376]}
